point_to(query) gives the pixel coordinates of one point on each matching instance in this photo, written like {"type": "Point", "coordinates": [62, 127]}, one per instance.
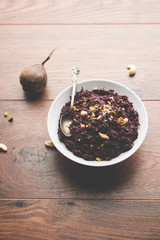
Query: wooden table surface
{"type": "Point", "coordinates": [43, 195]}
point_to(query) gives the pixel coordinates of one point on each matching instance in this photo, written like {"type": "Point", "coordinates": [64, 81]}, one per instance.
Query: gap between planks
{"type": "Point", "coordinates": [74, 24]}
{"type": "Point", "coordinates": [82, 199]}
{"type": "Point", "coordinates": [21, 100]}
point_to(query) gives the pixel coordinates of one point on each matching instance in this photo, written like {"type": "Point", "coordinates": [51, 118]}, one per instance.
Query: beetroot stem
{"type": "Point", "coordinates": [48, 57]}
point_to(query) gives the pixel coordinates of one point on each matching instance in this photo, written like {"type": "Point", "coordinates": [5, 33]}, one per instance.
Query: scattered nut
{"type": "Point", "coordinates": [95, 88]}
{"type": "Point", "coordinates": [75, 108]}
{"type": "Point", "coordinates": [49, 144]}
{"type": "Point", "coordinates": [113, 112]}
{"type": "Point", "coordinates": [106, 110]}
{"type": "Point", "coordinates": [93, 108]}
{"type": "Point", "coordinates": [112, 98]}
{"type": "Point", "coordinates": [89, 137]}
{"type": "Point", "coordinates": [5, 114]}
{"type": "Point", "coordinates": [125, 121]}
{"type": "Point", "coordinates": [132, 69]}
{"type": "Point", "coordinates": [82, 125]}
{"type": "Point", "coordinates": [10, 118]}
{"type": "Point", "coordinates": [93, 115]}
{"type": "Point", "coordinates": [100, 117]}
{"type": "Point", "coordinates": [3, 147]}
{"type": "Point", "coordinates": [122, 121]}
{"type": "Point", "coordinates": [103, 135]}
{"type": "Point", "coordinates": [98, 159]}
{"type": "Point", "coordinates": [93, 118]}
{"type": "Point", "coordinates": [84, 113]}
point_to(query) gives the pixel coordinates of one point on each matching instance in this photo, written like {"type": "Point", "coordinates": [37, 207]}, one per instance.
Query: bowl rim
{"type": "Point", "coordinates": [104, 163]}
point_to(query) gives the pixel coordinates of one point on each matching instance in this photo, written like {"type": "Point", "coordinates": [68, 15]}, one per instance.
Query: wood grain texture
{"type": "Point", "coordinates": [75, 12]}
{"type": "Point", "coordinates": [77, 219]}
{"type": "Point", "coordinates": [30, 170]}
{"type": "Point", "coordinates": [101, 38]}
{"type": "Point", "coordinates": [99, 52]}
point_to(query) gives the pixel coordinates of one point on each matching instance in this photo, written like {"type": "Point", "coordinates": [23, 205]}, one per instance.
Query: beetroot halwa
{"type": "Point", "coordinates": [104, 125]}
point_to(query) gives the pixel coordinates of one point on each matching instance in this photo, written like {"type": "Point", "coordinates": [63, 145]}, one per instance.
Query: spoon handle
{"type": "Point", "coordinates": [75, 72]}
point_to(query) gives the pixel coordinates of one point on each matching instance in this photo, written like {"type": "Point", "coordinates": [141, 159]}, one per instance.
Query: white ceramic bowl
{"type": "Point", "coordinates": [63, 97]}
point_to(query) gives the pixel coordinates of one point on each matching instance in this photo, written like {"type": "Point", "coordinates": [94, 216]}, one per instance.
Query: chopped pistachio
{"type": "Point", "coordinates": [122, 121]}
{"type": "Point", "coordinates": [106, 110]}
{"type": "Point", "coordinates": [93, 108]}
{"type": "Point", "coordinates": [113, 112]}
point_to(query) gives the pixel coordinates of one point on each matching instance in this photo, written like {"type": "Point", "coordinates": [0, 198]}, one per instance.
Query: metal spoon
{"type": "Point", "coordinates": [65, 119]}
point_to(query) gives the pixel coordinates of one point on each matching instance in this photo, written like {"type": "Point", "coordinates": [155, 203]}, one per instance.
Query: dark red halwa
{"type": "Point", "coordinates": [104, 125]}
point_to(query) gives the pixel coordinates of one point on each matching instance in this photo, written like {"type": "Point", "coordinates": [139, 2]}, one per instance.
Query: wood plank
{"type": "Point", "coordinates": [74, 11]}
{"type": "Point", "coordinates": [77, 219]}
{"type": "Point", "coordinates": [30, 170]}
{"type": "Point", "coordinates": [99, 52]}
